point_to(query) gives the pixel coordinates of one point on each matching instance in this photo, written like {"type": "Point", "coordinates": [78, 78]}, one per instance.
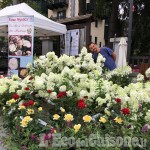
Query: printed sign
{"type": "Point", "coordinates": [72, 42]}
{"type": "Point", "coordinates": [20, 44]}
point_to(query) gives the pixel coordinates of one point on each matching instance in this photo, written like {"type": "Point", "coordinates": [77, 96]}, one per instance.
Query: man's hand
{"type": "Point", "coordinates": [114, 56]}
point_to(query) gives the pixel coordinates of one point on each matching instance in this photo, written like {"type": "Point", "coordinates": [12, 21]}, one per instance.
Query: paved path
{"type": "Point", "coordinates": [2, 133]}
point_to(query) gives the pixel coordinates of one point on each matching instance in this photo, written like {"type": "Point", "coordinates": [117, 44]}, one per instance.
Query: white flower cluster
{"type": "Point", "coordinates": [68, 65]}
{"type": "Point", "coordinates": [120, 72]}
{"type": "Point", "coordinates": [79, 77]}
{"type": "Point", "coordinates": [147, 73]}
{"type": "Point", "coordinates": [140, 77]}
{"type": "Point", "coordinates": [9, 85]}
{"type": "Point", "coordinates": [147, 117]}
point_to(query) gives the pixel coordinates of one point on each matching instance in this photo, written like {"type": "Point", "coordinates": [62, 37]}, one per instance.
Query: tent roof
{"type": "Point", "coordinates": [43, 25]}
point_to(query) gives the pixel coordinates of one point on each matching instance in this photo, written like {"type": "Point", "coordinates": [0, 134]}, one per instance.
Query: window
{"type": "Point", "coordinates": [61, 14]}
{"type": "Point", "coordinates": [96, 23]}
{"type": "Point", "coordinates": [95, 40]}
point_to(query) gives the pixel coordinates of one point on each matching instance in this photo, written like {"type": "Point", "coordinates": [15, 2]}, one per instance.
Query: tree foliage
{"type": "Point", "coordinates": [118, 24]}
{"type": "Point", "coordinates": [5, 3]}
{"type": "Point", "coordinates": [141, 32]}
{"type": "Point", "coordinates": [36, 4]}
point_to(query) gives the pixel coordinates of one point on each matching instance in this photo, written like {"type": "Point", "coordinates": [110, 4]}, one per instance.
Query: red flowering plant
{"type": "Point", "coordinates": [23, 115]}
{"type": "Point", "coordinates": [24, 119]}
{"type": "Point", "coordinates": [76, 102]}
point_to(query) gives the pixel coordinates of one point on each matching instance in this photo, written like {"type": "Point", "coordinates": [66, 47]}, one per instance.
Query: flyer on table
{"type": "Point", "coordinates": [20, 44]}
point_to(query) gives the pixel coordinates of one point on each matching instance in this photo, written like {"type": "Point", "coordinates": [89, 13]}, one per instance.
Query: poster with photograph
{"type": "Point", "coordinates": [20, 42]}
{"type": "Point", "coordinates": [19, 45]}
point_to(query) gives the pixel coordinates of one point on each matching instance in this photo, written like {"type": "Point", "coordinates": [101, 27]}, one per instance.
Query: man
{"type": "Point", "coordinates": [106, 52]}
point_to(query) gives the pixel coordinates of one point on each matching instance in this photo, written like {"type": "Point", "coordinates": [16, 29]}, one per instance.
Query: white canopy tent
{"type": "Point", "coordinates": [43, 26]}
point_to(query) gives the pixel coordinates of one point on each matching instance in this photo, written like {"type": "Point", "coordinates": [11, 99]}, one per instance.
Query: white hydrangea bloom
{"type": "Point", "coordinates": [44, 76]}
{"type": "Point", "coordinates": [107, 97]}
{"type": "Point", "coordinates": [54, 77]}
{"type": "Point", "coordinates": [3, 89]}
{"type": "Point", "coordinates": [69, 93]}
{"type": "Point", "coordinates": [50, 55]}
{"type": "Point", "coordinates": [62, 88]}
{"type": "Point", "coordinates": [92, 95]}
{"type": "Point", "coordinates": [78, 60]}
{"type": "Point", "coordinates": [106, 86]}
{"type": "Point", "coordinates": [50, 85]}
{"type": "Point", "coordinates": [83, 51]}
{"type": "Point", "coordinates": [84, 64]}
{"type": "Point", "coordinates": [147, 117]}
{"type": "Point", "coordinates": [42, 57]}
{"type": "Point", "coordinates": [76, 76]}
{"type": "Point", "coordinates": [147, 73]}
{"type": "Point", "coordinates": [140, 77]}
{"type": "Point", "coordinates": [53, 95]}
{"type": "Point", "coordinates": [134, 117]}
{"type": "Point", "coordinates": [67, 72]}
{"type": "Point", "coordinates": [83, 93]}
{"type": "Point", "coordinates": [11, 89]}
{"type": "Point", "coordinates": [42, 93]}
{"type": "Point", "coordinates": [15, 77]}
{"type": "Point", "coordinates": [100, 58]}
{"type": "Point", "coordinates": [19, 92]}
{"type": "Point", "coordinates": [109, 104]}
{"type": "Point", "coordinates": [88, 57]}
{"type": "Point", "coordinates": [134, 104]}
{"type": "Point", "coordinates": [39, 83]}
{"type": "Point", "coordinates": [101, 101]}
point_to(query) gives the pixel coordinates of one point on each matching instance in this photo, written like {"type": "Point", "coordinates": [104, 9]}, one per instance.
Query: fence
{"type": "Point", "coordinates": [140, 63]}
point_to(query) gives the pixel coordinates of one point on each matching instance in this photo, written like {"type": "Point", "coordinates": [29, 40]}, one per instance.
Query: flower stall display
{"type": "Point", "coordinates": [69, 102]}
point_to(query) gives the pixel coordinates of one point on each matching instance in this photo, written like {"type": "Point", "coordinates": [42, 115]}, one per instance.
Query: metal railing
{"type": "Point", "coordinates": [138, 60]}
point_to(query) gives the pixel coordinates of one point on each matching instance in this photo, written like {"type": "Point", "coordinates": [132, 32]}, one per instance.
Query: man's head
{"type": "Point", "coordinates": [93, 48]}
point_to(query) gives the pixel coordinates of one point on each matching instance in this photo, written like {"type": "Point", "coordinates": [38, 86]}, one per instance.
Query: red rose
{"type": "Point", "coordinates": [49, 91]}
{"type": "Point", "coordinates": [15, 96]}
{"type": "Point", "coordinates": [27, 88]}
{"type": "Point", "coordinates": [125, 111]}
{"type": "Point", "coordinates": [30, 102]}
{"type": "Point", "coordinates": [118, 100]}
{"type": "Point", "coordinates": [25, 104]}
{"type": "Point", "coordinates": [61, 94]}
{"type": "Point", "coordinates": [81, 103]}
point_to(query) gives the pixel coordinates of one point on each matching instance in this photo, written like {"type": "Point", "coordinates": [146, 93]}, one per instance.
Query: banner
{"type": "Point", "coordinates": [20, 44]}
{"type": "Point", "coordinates": [72, 42]}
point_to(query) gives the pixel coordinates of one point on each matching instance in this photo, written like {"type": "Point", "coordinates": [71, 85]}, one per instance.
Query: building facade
{"type": "Point", "coordinates": [81, 26]}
